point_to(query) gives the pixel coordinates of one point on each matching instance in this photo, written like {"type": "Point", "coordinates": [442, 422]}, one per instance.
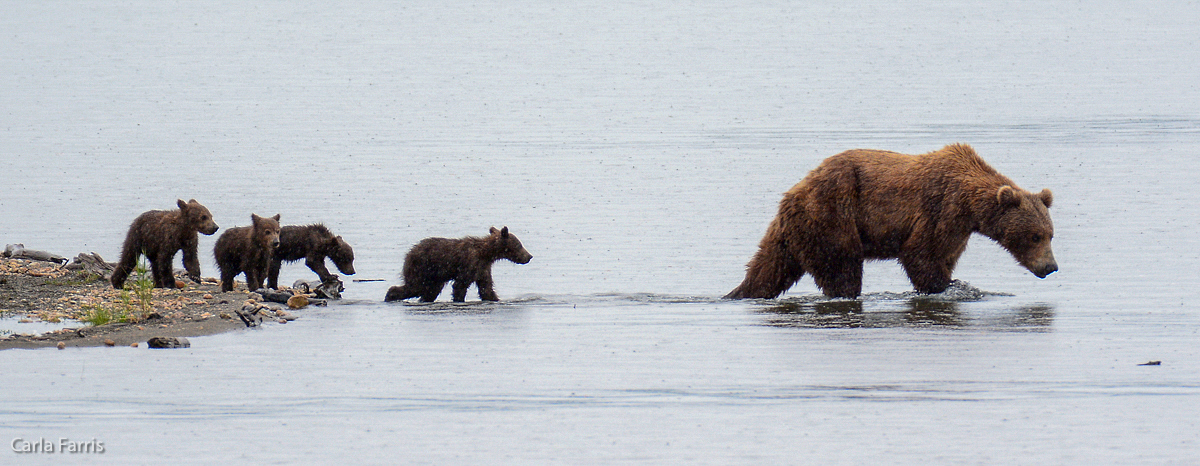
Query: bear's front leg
{"type": "Point", "coordinates": [484, 284]}
{"type": "Point", "coordinates": [273, 273]}
{"type": "Point", "coordinates": [191, 263]}
{"type": "Point", "coordinates": [927, 276]}
{"type": "Point", "coordinates": [317, 265]}
{"type": "Point", "coordinates": [253, 279]}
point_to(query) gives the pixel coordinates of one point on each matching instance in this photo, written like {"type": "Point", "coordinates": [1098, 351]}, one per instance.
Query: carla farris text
{"type": "Point", "coordinates": [64, 445]}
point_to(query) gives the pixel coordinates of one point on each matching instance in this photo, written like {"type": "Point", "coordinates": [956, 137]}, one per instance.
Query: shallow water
{"type": "Point", "coordinates": [639, 153]}
{"type": "Point", "coordinates": [23, 325]}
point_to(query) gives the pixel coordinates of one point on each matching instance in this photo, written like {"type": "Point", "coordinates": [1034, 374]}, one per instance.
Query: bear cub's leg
{"type": "Point", "coordinates": [163, 270]}
{"type": "Point", "coordinates": [486, 292]}
{"type": "Point", "coordinates": [460, 289]}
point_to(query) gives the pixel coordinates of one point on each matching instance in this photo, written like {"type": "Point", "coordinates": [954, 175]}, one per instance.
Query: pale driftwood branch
{"type": "Point", "coordinates": [92, 263]}
{"type": "Point", "coordinates": [18, 251]}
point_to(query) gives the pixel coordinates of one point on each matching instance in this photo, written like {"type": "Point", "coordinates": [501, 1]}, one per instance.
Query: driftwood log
{"type": "Point", "coordinates": [92, 263]}
{"type": "Point", "coordinates": [331, 289]}
{"type": "Point", "coordinates": [285, 297]}
{"type": "Point", "coordinates": [18, 251]}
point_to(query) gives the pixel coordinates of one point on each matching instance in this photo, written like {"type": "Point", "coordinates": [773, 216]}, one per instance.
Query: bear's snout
{"type": "Point", "coordinates": [1046, 270]}
{"type": "Point", "coordinates": [523, 258]}
{"type": "Point", "coordinates": [210, 229]}
{"type": "Point", "coordinates": [1046, 266]}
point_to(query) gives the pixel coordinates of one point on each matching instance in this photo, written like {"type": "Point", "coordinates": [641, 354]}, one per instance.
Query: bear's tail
{"type": "Point", "coordinates": [129, 255]}
{"type": "Point", "coordinates": [771, 272]}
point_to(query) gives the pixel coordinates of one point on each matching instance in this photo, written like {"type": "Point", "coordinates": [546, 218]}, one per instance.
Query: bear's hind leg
{"type": "Point", "coordinates": [428, 291]}
{"type": "Point", "coordinates": [227, 277]}
{"type": "Point", "coordinates": [460, 290]}
{"type": "Point", "coordinates": [124, 267]}
{"type": "Point", "coordinates": [841, 278]}
{"type": "Point", "coordinates": [400, 293]}
{"type": "Point", "coordinates": [770, 273]}
{"type": "Point", "coordinates": [253, 280]}
{"type": "Point", "coordinates": [273, 274]}
{"type": "Point", "coordinates": [163, 271]}
{"type": "Point", "coordinates": [430, 296]}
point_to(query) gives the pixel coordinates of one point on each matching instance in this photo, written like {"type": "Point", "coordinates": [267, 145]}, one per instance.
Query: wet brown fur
{"type": "Point", "coordinates": [313, 243]}
{"type": "Point", "coordinates": [247, 250]}
{"type": "Point", "coordinates": [159, 234]}
{"type": "Point", "coordinates": [919, 209]}
{"type": "Point", "coordinates": [435, 261]}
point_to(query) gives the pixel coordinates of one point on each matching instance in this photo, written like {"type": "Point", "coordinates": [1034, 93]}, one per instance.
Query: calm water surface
{"type": "Point", "coordinates": [639, 153]}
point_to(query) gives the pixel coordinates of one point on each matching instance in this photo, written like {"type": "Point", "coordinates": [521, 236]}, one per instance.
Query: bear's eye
{"type": "Point", "coordinates": [203, 217]}
{"type": "Point", "coordinates": [1036, 238]}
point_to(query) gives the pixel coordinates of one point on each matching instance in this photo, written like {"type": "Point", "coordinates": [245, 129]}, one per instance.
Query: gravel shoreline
{"type": "Point", "coordinates": [49, 292]}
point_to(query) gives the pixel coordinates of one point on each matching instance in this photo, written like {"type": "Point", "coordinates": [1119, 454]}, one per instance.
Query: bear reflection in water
{"type": "Point", "coordinates": [916, 312]}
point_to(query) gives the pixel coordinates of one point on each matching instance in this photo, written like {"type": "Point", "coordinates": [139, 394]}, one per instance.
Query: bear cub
{"type": "Point", "coordinates": [159, 234]}
{"type": "Point", "coordinates": [247, 250]}
{"type": "Point", "coordinates": [435, 261]}
{"type": "Point", "coordinates": [313, 243]}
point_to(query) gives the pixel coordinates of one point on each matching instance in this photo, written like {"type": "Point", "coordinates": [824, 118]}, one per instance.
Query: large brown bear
{"type": "Point", "coordinates": [920, 209]}
{"type": "Point", "coordinates": [313, 243]}
{"type": "Point", "coordinates": [159, 234]}
{"type": "Point", "coordinates": [435, 261]}
{"type": "Point", "coordinates": [247, 250]}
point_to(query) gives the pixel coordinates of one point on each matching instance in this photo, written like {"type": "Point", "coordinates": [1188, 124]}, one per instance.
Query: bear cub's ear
{"type": "Point", "coordinates": [1046, 197]}
{"type": "Point", "coordinates": [1008, 197]}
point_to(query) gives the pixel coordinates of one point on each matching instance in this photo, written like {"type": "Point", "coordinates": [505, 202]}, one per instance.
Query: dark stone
{"type": "Point", "coordinates": [168, 342]}
{"type": "Point", "coordinates": [274, 296]}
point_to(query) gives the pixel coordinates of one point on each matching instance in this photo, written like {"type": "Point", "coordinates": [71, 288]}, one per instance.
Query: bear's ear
{"type": "Point", "coordinates": [504, 232]}
{"type": "Point", "coordinates": [1046, 197]}
{"type": "Point", "coordinates": [493, 230]}
{"type": "Point", "coordinates": [255, 218]}
{"type": "Point", "coordinates": [276, 217]}
{"type": "Point", "coordinates": [180, 203]}
{"type": "Point", "coordinates": [1007, 197]}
